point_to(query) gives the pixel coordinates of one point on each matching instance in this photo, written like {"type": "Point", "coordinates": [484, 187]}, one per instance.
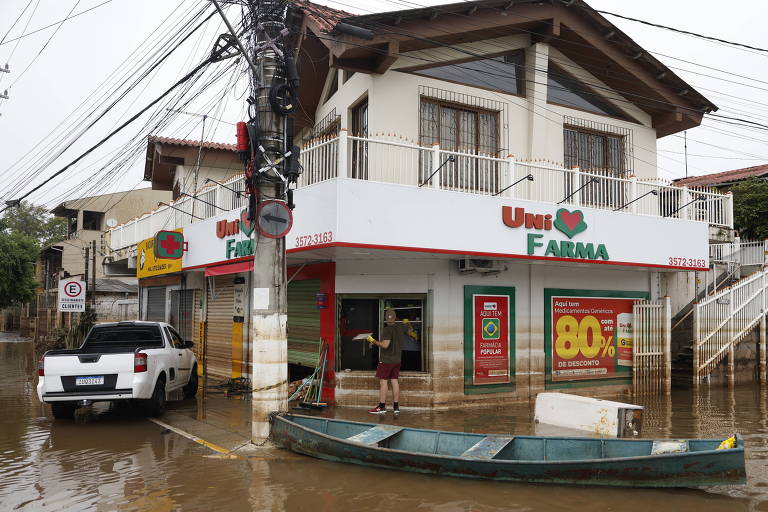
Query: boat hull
{"type": "Point", "coordinates": [671, 470]}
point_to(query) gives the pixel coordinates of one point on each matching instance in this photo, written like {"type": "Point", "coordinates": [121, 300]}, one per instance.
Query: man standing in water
{"type": "Point", "coordinates": [390, 357]}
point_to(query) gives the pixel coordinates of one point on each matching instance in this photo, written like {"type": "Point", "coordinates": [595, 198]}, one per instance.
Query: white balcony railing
{"type": "Point", "coordinates": [391, 160]}
{"type": "Point", "coordinates": [743, 253]}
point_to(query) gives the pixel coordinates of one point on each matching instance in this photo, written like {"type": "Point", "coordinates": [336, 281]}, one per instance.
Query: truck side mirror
{"type": "Point", "coordinates": [189, 344]}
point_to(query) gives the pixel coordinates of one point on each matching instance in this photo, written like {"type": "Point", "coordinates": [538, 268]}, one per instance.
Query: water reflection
{"type": "Point", "coordinates": [120, 461]}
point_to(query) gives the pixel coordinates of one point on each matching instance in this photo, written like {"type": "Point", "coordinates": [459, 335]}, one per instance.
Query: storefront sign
{"type": "Point", "coordinates": [589, 334]}
{"type": "Point", "coordinates": [168, 245]}
{"type": "Point", "coordinates": [494, 227]}
{"type": "Point", "coordinates": [491, 339]}
{"type": "Point", "coordinates": [148, 264]}
{"type": "Point", "coordinates": [489, 334]}
{"type": "Point", "coordinates": [569, 223]}
{"type": "Point", "coordinates": [219, 239]}
{"type": "Point", "coordinates": [72, 296]}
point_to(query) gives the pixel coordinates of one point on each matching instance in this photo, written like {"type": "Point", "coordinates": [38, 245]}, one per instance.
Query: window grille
{"type": "Point", "coordinates": [466, 124]}
{"type": "Point", "coordinates": [327, 127]}
{"type": "Point", "coordinates": [599, 149]}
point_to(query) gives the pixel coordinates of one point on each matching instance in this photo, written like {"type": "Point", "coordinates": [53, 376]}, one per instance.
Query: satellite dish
{"type": "Point", "coordinates": [111, 223]}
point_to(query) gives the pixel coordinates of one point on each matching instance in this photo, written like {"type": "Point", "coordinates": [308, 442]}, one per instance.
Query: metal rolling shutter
{"type": "Point", "coordinates": [303, 322]}
{"type": "Point", "coordinates": [156, 304]}
{"type": "Point", "coordinates": [218, 338]}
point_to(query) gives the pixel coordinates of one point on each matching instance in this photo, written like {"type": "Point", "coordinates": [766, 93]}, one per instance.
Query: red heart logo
{"type": "Point", "coordinates": [571, 219]}
{"type": "Point", "coordinates": [245, 225]}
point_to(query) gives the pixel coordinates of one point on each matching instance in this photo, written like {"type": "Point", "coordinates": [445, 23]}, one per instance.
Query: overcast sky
{"type": "Point", "coordinates": [90, 47]}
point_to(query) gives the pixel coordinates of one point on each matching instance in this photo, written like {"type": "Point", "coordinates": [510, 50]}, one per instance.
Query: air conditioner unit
{"type": "Point", "coordinates": [467, 265]}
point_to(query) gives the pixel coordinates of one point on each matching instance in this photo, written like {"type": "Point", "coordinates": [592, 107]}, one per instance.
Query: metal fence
{"type": "Point", "coordinates": [652, 347]}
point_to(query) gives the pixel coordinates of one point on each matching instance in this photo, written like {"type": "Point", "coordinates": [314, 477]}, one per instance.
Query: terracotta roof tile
{"type": "Point", "coordinates": [724, 177]}
{"type": "Point", "coordinates": [326, 18]}
{"type": "Point", "coordinates": [191, 143]}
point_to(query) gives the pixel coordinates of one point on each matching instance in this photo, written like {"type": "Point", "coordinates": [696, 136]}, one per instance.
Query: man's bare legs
{"type": "Point", "coordinates": [383, 391]}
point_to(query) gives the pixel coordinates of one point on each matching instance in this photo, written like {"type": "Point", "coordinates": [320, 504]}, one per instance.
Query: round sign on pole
{"type": "Point", "coordinates": [274, 218]}
{"type": "Point", "coordinates": [73, 289]}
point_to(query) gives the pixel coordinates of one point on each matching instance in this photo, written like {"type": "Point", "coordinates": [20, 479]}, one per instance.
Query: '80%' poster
{"type": "Point", "coordinates": [591, 337]}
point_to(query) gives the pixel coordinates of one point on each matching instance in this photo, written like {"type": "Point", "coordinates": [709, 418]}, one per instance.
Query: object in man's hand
{"type": "Point", "coordinates": [367, 336]}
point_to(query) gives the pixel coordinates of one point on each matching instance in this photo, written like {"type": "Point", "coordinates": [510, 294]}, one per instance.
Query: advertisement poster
{"type": "Point", "coordinates": [491, 339]}
{"type": "Point", "coordinates": [591, 337]}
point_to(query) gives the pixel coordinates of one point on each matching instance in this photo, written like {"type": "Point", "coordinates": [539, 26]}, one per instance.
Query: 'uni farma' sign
{"type": "Point", "coordinates": [237, 248]}
{"type": "Point", "coordinates": [567, 222]}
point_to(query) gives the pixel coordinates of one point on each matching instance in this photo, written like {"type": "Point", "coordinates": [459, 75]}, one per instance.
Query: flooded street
{"type": "Point", "coordinates": [125, 462]}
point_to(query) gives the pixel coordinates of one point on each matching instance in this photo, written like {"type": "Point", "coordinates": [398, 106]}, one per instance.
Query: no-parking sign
{"type": "Point", "coordinates": [71, 296]}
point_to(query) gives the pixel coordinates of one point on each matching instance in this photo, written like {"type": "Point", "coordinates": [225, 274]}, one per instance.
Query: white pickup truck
{"type": "Point", "coordinates": [139, 361]}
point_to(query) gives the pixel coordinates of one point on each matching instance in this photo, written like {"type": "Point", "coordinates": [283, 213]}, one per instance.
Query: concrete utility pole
{"type": "Point", "coordinates": [93, 274]}
{"type": "Point", "coordinates": [269, 301]}
{"type": "Point", "coordinates": [265, 144]}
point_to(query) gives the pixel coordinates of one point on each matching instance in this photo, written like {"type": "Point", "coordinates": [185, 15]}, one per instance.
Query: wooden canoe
{"type": "Point", "coordinates": [562, 460]}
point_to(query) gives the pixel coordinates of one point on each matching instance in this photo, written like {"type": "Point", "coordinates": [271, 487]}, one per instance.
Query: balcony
{"type": "Point", "coordinates": [390, 160]}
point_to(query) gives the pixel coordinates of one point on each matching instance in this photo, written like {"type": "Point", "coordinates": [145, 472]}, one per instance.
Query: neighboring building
{"type": "Point", "coordinates": [724, 181]}
{"type": "Point", "coordinates": [486, 170]}
{"type": "Point", "coordinates": [116, 286]}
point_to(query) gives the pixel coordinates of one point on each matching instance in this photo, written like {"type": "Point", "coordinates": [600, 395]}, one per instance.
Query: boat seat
{"type": "Point", "coordinates": [488, 447]}
{"type": "Point", "coordinates": [669, 446]}
{"type": "Point", "coordinates": [376, 434]}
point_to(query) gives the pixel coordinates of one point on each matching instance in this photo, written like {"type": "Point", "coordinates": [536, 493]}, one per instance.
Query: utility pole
{"type": "Point", "coordinates": [85, 273]}
{"type": "Point", "coordinates": [93, 275]}
{"type": "Point", "coordinates": [265, 144]}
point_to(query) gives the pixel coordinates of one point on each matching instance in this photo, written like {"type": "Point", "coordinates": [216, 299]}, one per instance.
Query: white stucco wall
{"type": "Point", "coordinates": [534, 127]}
{"type": "Point", "coordinates": [446, 356]}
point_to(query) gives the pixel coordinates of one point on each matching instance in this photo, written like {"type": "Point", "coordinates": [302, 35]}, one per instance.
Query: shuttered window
{"type": "Point", "coordinates": [303, 322]}
{"type": "Point", "coordinates": [218, 339]}
{"type": "Point", "coordinates": [155, 304]}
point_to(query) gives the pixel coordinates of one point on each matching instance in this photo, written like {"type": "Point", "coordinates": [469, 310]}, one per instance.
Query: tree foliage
{"type": "Point", "coordinates": [17, 272]}
{"type": "Point", "coordinates": [35, 222]}
{"type": "Point", "coordinates": [24, 230]}
{"type": "Point", "coordinates": [750, 208]}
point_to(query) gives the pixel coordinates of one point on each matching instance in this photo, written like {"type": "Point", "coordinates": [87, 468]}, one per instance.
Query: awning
{"type": "Point", "coordinates": [231, 268]}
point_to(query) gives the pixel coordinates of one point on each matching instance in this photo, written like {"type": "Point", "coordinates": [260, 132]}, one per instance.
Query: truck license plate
{"type": "Point", "coordinates": [89, 381]}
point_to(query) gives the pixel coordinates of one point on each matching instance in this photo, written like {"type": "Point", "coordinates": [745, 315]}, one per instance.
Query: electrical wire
{"type": "Point", "coordinates": [686, 32]}
{"type": "Point", "coordinates": [55, 23]}
{"type": "Point", "coordinates": [58, 27]}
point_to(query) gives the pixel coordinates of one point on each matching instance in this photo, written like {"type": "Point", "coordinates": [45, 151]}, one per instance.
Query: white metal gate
{"type": "Point", "coordinates": [652, 346]}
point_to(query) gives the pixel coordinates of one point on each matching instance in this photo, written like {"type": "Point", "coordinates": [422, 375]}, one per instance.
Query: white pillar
{"type": "Point", "coordinates": [342, 154]}
{"type": "Point", "coordinates": [436, 156]}
{"type": "Point", "coordinates": [731, 332]}
{"type": "Point", "coordinates": [696, 348]}
{"type": "Point", "coordinates": [537, 62]}
{"type": "Point", "coordinates": [667, 333]}
{"type": "Point", "coordinates": [509, 177]}
{"type": "Point", "coordinates": [632, 194]}
{"type": "Point", "coordinates": [577, 178]}
{"type": "Point", "coordinates": [685, 198]}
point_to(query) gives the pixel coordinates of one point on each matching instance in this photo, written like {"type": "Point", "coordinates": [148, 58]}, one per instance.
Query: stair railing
{"type": "Point", "coordinates": [722, 320]}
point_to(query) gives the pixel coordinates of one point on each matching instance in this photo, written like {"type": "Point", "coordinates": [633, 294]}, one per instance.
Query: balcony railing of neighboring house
{"type": "Point", "coordinates": [393, 160]}
{"type": "Point", "coordinates": [744, 253]}
{"type": "Point", "coordinates": [209, 201]}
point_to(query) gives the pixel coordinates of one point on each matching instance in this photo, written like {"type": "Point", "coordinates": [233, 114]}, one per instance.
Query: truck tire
{"type": "Point", "coordinates": [190, 390]}
{"type": "Point", "coordinates": [156, 404]}
{"type": "Point", "coordinates": [63, 410]}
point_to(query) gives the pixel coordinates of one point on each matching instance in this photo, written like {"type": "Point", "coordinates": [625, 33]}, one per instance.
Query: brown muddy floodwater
{"type": "Point", "coordinates": [125, 462]}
